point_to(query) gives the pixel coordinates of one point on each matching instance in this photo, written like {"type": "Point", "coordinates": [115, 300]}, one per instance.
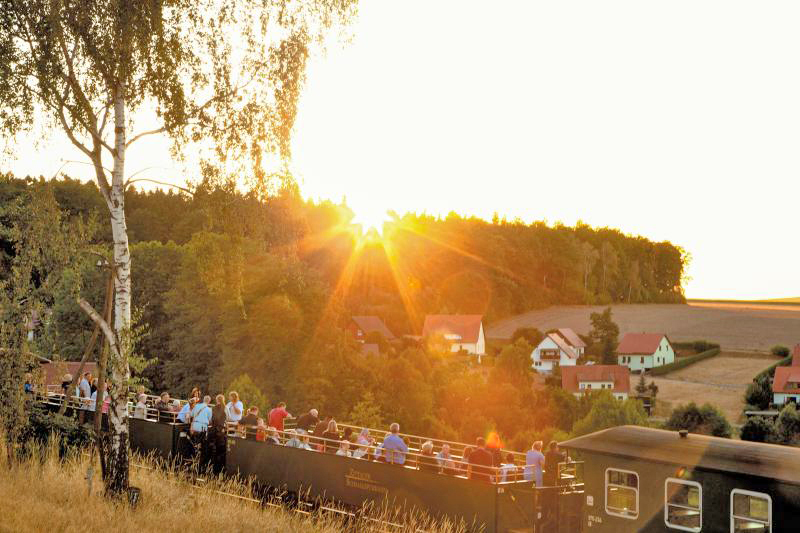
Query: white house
{"type": "Point", "coordinates": [640, 351]}
{"type": "Point", "coordinates": [582, 379]}
{"type": "Point", "coordinates": [552, 351]}
{"type": "Point", "coordinates": [463, 332]}
{"type": "Point", "coordinates": [572, 338]}
{"type": "Point", "coordinates": [786, 385]}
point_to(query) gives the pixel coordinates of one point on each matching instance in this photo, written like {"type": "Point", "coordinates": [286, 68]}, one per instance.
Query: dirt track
{"type": "Point", "coordinates": [721, 381]}
{"type": "Point", "coordinates": [735, 326]}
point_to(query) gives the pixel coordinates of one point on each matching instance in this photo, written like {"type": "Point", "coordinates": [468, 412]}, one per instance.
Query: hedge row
{"type": "Point", "coordinates": [683, 362]}
{"type": "Point", "coordinates": [771, 368]}
{"type": "Point", "coordinates": [698, 345]}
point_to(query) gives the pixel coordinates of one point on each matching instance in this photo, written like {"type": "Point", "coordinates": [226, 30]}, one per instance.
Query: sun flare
{"type": "Point", "coordinates": [370, 218]}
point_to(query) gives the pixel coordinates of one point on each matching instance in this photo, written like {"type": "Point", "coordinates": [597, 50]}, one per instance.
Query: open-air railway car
{"type": "Point", "coordinates": [642, 479]}
{"type": "Point", "coordinates": [354, 483]}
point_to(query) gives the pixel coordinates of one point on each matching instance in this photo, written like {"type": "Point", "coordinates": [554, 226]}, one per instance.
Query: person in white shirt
{"type": "Point", "coordinates": [140, 411]}
{"type": "Point", "coordinates": [344, 448]}
{"type": "Point", "coordinates": [235, 408]}
{"type": "Point", "coordinates": [84, 387]}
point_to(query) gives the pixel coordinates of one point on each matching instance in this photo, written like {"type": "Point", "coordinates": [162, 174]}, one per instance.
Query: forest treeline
{"type": "Point", "coordinates": [230, 288]}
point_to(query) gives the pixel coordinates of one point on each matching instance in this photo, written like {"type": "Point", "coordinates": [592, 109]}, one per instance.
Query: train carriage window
{"type": "Point", "coordinates": [683, 504]}
{"type": "Point", "coordinates": [622, 493]}
{"type": "Point", "coordinates": [750, 511]}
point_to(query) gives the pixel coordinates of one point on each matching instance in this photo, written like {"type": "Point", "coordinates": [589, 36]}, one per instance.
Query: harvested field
{"type": "Point", "coordinates": [720, 381]}
{"type": "Point", "coordinates": [735, 326]}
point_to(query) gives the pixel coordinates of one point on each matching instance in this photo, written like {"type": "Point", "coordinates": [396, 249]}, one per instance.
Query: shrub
{"type": "Point", "coordinates": [759, 392]}
{"type": "Point", "coordinates": [758, 429]}
{"type": "Point", "coordinates": [44, 425]}
{"type": "Point", "coordinates": [779, 350]}
{"type": "Point", "coordinates": [683, 362]}
{"type": "Point", "coordinates": [532, 335]}
{"type": "Point", "coordinates": [707, 420]}
{"type": "Point", "coordinates": [607, 411]}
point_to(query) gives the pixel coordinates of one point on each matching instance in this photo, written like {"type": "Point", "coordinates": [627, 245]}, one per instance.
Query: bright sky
{"type": "Point", "coordinates": [675, 120]}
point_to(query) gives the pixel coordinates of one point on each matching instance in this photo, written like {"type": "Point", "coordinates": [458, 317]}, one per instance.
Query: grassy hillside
{"type": "Point", "coordinates": [52, 496]}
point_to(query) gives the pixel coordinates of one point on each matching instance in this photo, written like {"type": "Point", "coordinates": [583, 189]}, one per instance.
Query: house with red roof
{"type": "Point", "coordinates": [555, 350]}
{"type": "Point", "coordinates": [463, 332]}
{"type": "Point", "coordinates": [361, 326]}
{"type": "Point", "coordinates": [786, 385]}
{"type": "Point", "coordinates": [583, 379]}
{"type": "Point", "coordinates": [640, 351]}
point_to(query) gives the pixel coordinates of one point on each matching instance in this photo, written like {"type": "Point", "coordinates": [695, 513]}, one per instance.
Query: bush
{"type": "Point", "coordinates": [532, 335]}
{"type": "Point", "coordinates": [759, 392]}
{"type": "Point", "coordinates": [706, 420]}
{"type": "Point", "coordinates": [779, 350]}
{"type": "Point", "coordinates": [758, 429]}
{"type": "Point", "coordinates": [683, 362]}
{"type": "Point", "coordinates": [607, 411]}
{"type": "Point", "coordinates": [44, 425]}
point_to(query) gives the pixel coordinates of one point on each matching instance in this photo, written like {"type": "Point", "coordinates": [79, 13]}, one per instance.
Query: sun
{"type": "Point", "coordinates": [370, 218]}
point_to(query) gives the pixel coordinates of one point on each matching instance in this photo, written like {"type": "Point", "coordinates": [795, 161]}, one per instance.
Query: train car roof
{"type": "Point", "coordinates": [714, 453]}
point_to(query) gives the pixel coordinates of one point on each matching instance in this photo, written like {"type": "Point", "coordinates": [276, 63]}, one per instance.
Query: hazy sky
{"type": "Point", "coordinates": [675, 120]}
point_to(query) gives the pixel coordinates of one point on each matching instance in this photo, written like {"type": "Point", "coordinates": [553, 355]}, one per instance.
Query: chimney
{"type": "Point", "coordinates": [683, 433]}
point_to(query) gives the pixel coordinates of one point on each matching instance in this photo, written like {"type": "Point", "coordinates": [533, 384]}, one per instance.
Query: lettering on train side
{"type": "Point", "coordinates": [363, 480]}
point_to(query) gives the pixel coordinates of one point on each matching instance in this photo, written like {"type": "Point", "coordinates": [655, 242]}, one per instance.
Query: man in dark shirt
{"type": "Point", "coordinates": [248, 420]}
{"type": "Point", "coordinates": [480, 462]}
{"type": "Point", "coordinates": [308, 421]}
{"type": "Point", "coordinates": [551, 460]}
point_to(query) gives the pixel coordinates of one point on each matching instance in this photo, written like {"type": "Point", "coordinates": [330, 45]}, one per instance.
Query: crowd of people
{"type": "Point", "coordinates": [210, 421]}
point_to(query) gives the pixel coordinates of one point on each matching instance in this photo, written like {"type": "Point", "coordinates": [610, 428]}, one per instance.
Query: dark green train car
{"type": "Point", "coordinates": [354, 482]}
{"type": "Point", "coordinates": [164, 440]}
{"type": "Point", "coordinates": [642, 479]}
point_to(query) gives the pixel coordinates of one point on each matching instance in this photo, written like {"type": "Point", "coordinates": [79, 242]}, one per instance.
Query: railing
{"type": "Point", "coordinates": [413, 459]}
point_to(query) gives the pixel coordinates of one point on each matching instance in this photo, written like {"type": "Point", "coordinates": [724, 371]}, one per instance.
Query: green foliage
{"type": "Point", "coordinates": [366, 412]}
{"type": "Point", "coordinates": [706, 419]}
{"type": "Point", "coordinates": [780, 350]}
{"type": "Point", "coordinates": [513, 365]}
{"type": "Point", "coordinates": [43, 425]}
{"type": "Point", "coordinates": [683, 362]}
{"type": "Point", "coordinates": [532, 335]}
{"type": "Point", "coordinates": [641, 386]}
{"type": "Point", "coordinates": [758, 429]}
{"type": "Point", "coordinates": [605, 333]}
{"type": "Point", "coordinates": [606, 411]}
{"type": "Point", "coordinates": [759, 393]}
{"type": "Point", "coordinates": [787, 427]}
{"type": "Point", "coordinates": [249, 393]}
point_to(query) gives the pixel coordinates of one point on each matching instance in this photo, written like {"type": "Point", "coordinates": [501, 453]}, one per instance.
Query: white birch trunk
{"type": "Point", "coordinates": [117, 481]}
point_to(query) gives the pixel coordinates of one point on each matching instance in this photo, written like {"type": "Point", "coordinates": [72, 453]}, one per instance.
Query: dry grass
{"type": "Point", "coordinates": [720, 381]}
{"type": "Point", "coordinates": [52, 495]}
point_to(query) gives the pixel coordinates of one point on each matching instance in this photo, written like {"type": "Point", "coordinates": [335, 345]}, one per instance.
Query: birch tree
{"type": "Point", "coordinates": [223, 75]}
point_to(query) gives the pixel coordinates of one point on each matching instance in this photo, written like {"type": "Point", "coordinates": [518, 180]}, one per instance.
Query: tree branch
{"type": "Point", "coordinates": [184, 189]}
{"type": "Point", "coordinates": [102, 324]}
{"type": "Point", "coordinates": [135, 138]}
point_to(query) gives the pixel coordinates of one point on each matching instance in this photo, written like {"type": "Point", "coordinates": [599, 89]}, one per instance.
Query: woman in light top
{"type": "Point", "coordinates": [364, 442]}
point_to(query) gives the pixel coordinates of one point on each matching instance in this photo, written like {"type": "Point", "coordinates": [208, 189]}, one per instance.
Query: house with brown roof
{"type": "Point", "coordinates": [786, 385]}
{"type": "Point", "coordinates": [361, 326]}
{"type": "Point", "coordinates": [640, 351]}
{"type": "Point", "coordinates": [582, 379]}
{"type": "Point", "coordinates": [554, 350]}
{"type": "Point", "coordinates": [463, 332]}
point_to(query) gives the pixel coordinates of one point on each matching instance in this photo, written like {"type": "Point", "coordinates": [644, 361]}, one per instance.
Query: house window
{"type": "Point", "coordinates": [750, 511]}
{"type": "Point", "coordinates": [622, 493]}
{"type": "Point", "coordinates": [642, 360]}
{"type": "Point", "coordinates": [683, 505]}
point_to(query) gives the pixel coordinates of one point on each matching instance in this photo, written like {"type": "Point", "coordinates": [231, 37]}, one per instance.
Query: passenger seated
{"type": "Point", "coordinates": [294, 440]}
{"type": "Point", "coordinates": [446, 462]}
{"type": "Point", "coordinates": [364, 442]}
{"type": "Point", "coordinates": [261, 430]}
{"type": "Point", "coordinates": [394, 448]}
{"type": "Point", "coordinates": [344, 448]}
{"type": "Point", "coordinates": [166, 411]}
{"type": "Point", "coordinates": [426, 460]}
{"type": "Point", "coordinates": [140, 411]}
{"type": "Point", "coordinates": [331, 436]}
{"type": "Point", "coordinates": [272, 436]}
{"type": "Point", "coordinates": [508, 470]}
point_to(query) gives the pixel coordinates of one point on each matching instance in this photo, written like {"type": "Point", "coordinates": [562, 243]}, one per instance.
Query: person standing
{"type": "Point", "coordinates": [216, 434]}
{"type": "Point", "coordinates": [276, 416]}
{"type": "Point", "coordinates": [201, 418]}
{"type": "Point", "coordinates": [308, 421]}
{"type": "Point", "coordinates": [551, 460]}
{"type": "Point", "coordinates": [534, 463]}
{"type": "Point", "coordinates": [84, 386]}
{"type": "Point", "coordinates": [234, 410]}
{"type": "Point", "coordinates": [480, 462]}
